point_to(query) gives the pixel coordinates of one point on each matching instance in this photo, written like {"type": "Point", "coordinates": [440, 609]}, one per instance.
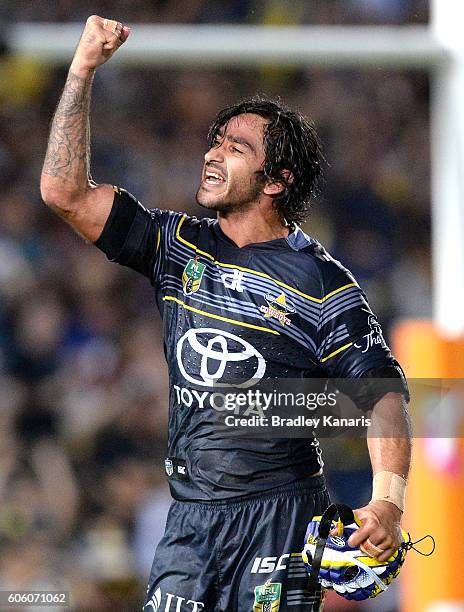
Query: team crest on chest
{"type": "Point", "coordinates": [277, 308]}
{"type": "Point", "coordinates": [192, 275]}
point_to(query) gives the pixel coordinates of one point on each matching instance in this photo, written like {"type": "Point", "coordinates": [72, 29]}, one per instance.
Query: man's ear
{"type": "Point", "coordinates": [275, 188]}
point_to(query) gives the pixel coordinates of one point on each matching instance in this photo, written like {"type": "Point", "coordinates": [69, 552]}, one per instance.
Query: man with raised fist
{"type": "Point", "coordinates": [245, 298]}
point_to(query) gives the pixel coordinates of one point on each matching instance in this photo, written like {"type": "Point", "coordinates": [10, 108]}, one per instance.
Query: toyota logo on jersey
{"type": "Point", "coordinates": [213, 358]}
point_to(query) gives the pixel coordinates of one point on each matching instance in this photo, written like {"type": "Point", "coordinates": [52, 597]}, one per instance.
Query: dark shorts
{"type": "Point", "coordinates": [236, 556]}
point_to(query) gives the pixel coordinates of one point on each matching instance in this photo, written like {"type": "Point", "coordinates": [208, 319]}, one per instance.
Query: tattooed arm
{"type": "Point", "coordinates": [66, 184]}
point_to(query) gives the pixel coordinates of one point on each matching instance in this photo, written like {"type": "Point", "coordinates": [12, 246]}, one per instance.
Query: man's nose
{"type": "Point", "coordinates": [214, 154]}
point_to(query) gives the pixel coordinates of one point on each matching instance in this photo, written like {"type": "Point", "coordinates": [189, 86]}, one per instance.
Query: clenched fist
{"type": "Point", "coordinates": [100, 39]}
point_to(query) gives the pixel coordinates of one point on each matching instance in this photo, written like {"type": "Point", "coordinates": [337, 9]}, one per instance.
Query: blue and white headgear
{"type": "Point", "coordinates": [333, 564]}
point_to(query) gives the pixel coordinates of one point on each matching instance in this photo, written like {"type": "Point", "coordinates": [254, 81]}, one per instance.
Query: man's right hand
{"type": "Point", "coordinates": [100, 39]}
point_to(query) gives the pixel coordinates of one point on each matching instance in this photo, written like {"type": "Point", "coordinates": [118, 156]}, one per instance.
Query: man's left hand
{"type": "Point", "coordinates": [380, 532]}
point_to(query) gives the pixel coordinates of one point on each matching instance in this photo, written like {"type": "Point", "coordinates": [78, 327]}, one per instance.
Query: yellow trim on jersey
{"type": "Point", "coordinates": [329, 295]}
{"type": "Point", "coordinates": [189, 244]}
{"type": "Point", "coordinates": [213, 316]}
{"type": "Point", "coordinates": [339, 350]}
{"type": "Point", "coordinates": [263, 274]}
{"type": "Point", "coordinates": [158, 240]}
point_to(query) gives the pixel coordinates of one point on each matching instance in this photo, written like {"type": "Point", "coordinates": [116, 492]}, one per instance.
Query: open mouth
{"type": "Point", "coordinates": [213, 178]}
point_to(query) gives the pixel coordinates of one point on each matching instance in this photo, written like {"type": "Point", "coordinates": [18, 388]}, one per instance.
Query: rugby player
{"type": "Point", "coordinates": [246, 297]}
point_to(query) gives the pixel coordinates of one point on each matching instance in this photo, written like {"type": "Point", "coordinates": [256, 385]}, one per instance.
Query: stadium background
{"type": "Point", "coordinates": [82, 377]}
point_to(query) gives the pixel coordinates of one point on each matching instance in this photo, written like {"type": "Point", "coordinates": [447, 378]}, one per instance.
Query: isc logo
{"type": "Point", "coordinates": [267, 565]}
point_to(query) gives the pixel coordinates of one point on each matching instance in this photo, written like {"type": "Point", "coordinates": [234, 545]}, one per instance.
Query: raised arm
{"type": "Point", "coordinates": [66, 185]}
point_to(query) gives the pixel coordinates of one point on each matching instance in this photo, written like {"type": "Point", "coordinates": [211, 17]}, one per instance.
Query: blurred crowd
{"type": "Point", "coordinates": [219, 11]}
{"type": "Point", "coordinates": [83, 384]}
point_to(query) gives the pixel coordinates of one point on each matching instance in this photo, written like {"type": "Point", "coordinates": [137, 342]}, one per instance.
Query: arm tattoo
{"type": "Point", "coordinates": [68, 150]}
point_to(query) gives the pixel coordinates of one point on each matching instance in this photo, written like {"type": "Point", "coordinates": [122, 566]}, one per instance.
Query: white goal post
{"type": "Point", "coordinates": [245, 45]}
{"type": "Point", "coordinates": [436, 47]}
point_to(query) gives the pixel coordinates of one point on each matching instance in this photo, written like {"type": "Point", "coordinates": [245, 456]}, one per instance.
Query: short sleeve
{"type": "Point", "coordinates": [136, 237]}
{"type": "Point", "coordinates": [350, 338]}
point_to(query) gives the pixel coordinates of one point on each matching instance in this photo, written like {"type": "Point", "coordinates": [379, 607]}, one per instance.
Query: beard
{"type": "Point", "coordinates": [237, 196]}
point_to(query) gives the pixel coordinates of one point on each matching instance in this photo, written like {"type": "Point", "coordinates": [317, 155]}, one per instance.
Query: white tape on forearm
{"type": "Point", "coordinates": [390, 487]}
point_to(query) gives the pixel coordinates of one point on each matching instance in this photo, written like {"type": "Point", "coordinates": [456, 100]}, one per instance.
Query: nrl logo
{"type": "Point", "coordinates": [267, 597]}
{"type": "Point", "coordinates": [277, 308]}
{"type": "Point", "coordinates": [192, 275]}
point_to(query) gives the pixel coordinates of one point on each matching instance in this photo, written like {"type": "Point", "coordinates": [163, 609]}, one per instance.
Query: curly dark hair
{"type": "Point", "coordinates": [290, 143]}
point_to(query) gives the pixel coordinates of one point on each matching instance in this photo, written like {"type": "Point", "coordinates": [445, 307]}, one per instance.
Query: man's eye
{"type": "Point", "coordinates": [236, 150]}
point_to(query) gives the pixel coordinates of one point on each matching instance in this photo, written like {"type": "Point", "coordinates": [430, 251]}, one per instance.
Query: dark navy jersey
{"type": "Point", "coordinates": [270, 310]}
